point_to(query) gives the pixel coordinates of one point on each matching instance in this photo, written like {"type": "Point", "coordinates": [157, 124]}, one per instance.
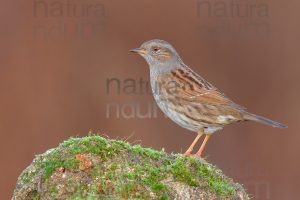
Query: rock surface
{"type": "Point", "coordinates": [94, 167]}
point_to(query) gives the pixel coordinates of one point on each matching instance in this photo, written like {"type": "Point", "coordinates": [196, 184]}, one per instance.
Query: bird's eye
{"type": "Point", "coordinates": [155, 49]}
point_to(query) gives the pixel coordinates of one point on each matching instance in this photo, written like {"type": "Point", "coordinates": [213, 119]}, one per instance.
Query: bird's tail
{"type": "Point", "coordinates": [263, 120]}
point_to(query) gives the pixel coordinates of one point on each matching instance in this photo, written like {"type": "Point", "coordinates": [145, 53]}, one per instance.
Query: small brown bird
{"type": "Point", "coordinates": [187, 98]}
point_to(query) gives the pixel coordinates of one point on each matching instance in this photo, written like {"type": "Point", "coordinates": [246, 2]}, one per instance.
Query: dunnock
{"type": "Point", "coordinates": [187, 98]}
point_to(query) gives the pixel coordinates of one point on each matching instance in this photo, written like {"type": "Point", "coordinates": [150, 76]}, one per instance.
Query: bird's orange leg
{"type": "Point", "coordinates": [190, 149]}
{"type": "Point", "coordinates": [198, 154]}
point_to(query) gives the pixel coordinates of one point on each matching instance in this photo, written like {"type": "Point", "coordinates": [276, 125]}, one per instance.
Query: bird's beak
{"type": "Point", "coordinates": [140, 51]}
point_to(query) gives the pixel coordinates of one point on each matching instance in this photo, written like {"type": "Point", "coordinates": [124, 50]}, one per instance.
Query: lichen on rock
{"type": "Point", "coordinates": [94, 167]}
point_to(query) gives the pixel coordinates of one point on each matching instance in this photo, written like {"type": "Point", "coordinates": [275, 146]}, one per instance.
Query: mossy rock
{"type": "Point", "coordinates": [94, 167]}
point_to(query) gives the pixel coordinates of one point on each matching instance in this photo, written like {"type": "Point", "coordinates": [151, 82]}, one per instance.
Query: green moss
{"type": "Point", "coordinates": [147, 152]}
{"type": "Point", "coordinates": [155, 175]}
{"type": "Point", "coordinates": [56, 160]}
{"type": "Point", "coordinates": [27, 176]}
{"type": "Point", "coordinates": [220, 186]}
{"type": "Point", "coordinates": [105, 149]}
{"type": "Point", "coordinates": [35, 195]}
{"type": "Point", "coordinates": [164, 198]}
{"type": "Point", "coordinates": [53, 191]}
{"type": "Point", "coordinates": [189, 170]}
{"type": "Point", "coordinates": [182, 172]}
{"type": "Point", "coordinates": [65, 158]}
{"type": "Point", "coordinates": [87, 145]}
{"type": "Point", "coordinates": [128, 171]}
{"type": "Point", "coordinates": [130, 189]}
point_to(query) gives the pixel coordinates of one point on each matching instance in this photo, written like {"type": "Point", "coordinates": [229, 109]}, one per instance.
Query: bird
{"type": "Point", "coordinates": [188, 99]}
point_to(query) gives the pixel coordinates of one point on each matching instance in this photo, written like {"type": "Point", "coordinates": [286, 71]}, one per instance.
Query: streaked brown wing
{"type": "Point", "coordinates": [192, 87]}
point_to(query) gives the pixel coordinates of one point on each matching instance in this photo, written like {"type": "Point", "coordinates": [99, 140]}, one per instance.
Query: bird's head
{"type": "Point", "coordinates": [158, 53]}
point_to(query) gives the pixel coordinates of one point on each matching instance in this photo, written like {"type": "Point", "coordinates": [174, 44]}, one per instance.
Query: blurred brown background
{"type": "Point", "coordinates": [56, 58]}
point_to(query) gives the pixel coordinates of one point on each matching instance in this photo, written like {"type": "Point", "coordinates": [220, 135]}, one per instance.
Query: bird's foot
{"type": "Point", "coordinates": [196, 156]}
{"type": "Point", "coordinates": [188, 153]}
